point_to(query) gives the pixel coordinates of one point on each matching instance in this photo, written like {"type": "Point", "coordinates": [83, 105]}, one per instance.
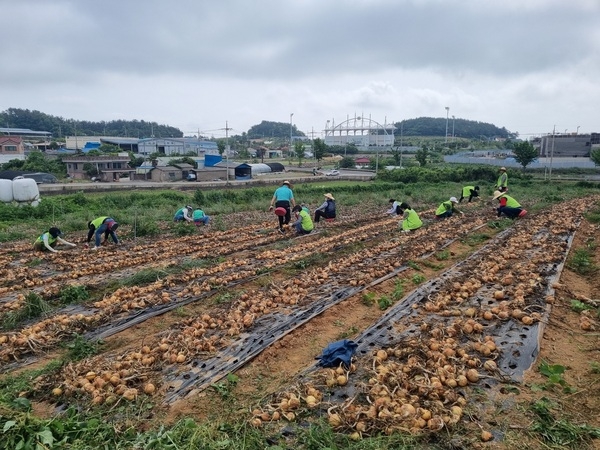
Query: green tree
{"type": "Point", "coordinates": [397, 156]}
{"type": "Point", "coordinates": [595, 156]}
{"type": "Point", "coordinates": [300, 152]}
{"type": "Point", "coordinates": [525, 153]}
{"type": "Point", "coordinates": [319, 149]}
{"type": "Point", "coordinates": [90, 169]}
{"type": "Point", "coordinates": [422, 155]}
{"type": "Point", "coordinates": [347, 163]}
{"type": "Point", "coordinates": [221, 146]}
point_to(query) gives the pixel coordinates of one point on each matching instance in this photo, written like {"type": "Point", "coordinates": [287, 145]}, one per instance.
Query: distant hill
{"type": "Point", "coordinates": [60, 127]}
{"type": "Point", "coordinates": [470, 129]}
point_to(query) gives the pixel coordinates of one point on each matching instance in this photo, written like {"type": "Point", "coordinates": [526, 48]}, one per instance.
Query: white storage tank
{"type": "Point", "coordinates": [25, 190]}
{"type": "Point", "coordinates": [6, 191]}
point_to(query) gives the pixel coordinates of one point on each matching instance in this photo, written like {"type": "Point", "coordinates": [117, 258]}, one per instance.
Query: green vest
{"type": "Point", "coordinates": [307, 223]}
{"type": "Point", "coordinates": [411, 220]}
{"type": "Point", "coordinates": [198, 214]}
{"type": "Point", "coordinates": [502, 180]}
{"type": "Point", "coordinates": [467, 191]}
{"type": "Point", "coordinates": [97, 222]}
{"type": "Point", "coordinates": [445, 206]}
{"type": "Point", "coordinates": [510, 202]}
{"type": "Point", "coordinates": [51, 239]}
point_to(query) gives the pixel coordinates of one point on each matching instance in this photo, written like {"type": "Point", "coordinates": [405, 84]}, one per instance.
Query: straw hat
{"type": "Point", "coordinates": [287, 182]}
{"type": "Point", "coordinates": [503, 169]}
{"type": "Point", "coordinates": [497, 194]}
{"type": "Point", "coordinates": [329, 196]}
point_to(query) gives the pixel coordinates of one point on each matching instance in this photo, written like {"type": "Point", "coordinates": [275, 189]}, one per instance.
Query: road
{"type": "Point", "coordinates": [295, 175]}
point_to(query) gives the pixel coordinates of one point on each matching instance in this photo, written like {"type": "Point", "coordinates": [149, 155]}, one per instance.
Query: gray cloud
{"type": "Point", "coordinates": [396, 58]}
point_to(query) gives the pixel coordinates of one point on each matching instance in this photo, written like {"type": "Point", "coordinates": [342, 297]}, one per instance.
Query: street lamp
{"type": "Point", "coordinates": [577, 132]}
{"type": "Point", "coordinates": [453, 118]}
{"type": "Point", "coordinates": [446, 135]}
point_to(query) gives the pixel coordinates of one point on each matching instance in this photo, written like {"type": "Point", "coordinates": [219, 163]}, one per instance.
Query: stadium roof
{"type": "Point", "coordinates": [24, 132]}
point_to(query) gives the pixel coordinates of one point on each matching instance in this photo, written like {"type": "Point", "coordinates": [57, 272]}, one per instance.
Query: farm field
{"type": "Point", "coordinates": [471, 332]}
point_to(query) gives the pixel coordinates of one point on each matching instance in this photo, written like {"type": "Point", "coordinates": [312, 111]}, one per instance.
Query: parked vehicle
{"type": "Point", "coordinates": [41, 177]}
{"type": "Point", "coordinates": [332, 173]}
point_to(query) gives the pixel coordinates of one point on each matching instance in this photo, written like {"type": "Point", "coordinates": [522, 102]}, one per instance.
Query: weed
{"type": "Point", "coordinates": [398, 291]}
{"type": "Point", "coordinates": [413, 265]}
{"type": "Point", "coordinates": [347, 333]}
{"type": "Point", "coordinates": [35, 262]}
{"type": "Point", "coordinates": [180, 311]}
{"type": "Point", "coordinates": [218, 223]}
{"type": "Point", "coordinates": [578, 306]}
{"type": "Point", "coordinates": [184, 229]}
{"type": "Point", "coordinates": [581, 262]}
{"type": "Point", "coordinates": [225, 297]}
{"type": "Point", "coordinates": [554, 373]}
{"type": "Point", "coordinates": [80, 348]}
{"type": "Point", "coordinates": [560, 432]}
{"type": "Point", "coordinates": [384, 302]}
{"type": "Point", "coordinates": [145, 276]}
{"type": "Point", "coordinates": [593, 216]}
{"type": "Point", "coordinates": [301, 264]}
{"type": "Point", "coordinates": [73, 294]}
{"type": "Point", "coordinates": [146, 227]}
{"type": "Point", "coordinates": [368, 298]}
{"type": "Point", "coordinates": [476, 239]}
{"type": "Point", "coordinates": [223, 388]}
{"type": "Point", "coordinates": [443, 255]}
{"type": "Point", "coordinates": [432, 265]}
{"type": "Point", "coordinates": [34, 306]}
{"type": "Point", "coordinates": [418, 278]}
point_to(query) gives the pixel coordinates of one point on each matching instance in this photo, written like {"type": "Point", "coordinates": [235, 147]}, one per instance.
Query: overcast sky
{"type": "Point", "coordinates": [527, 65]}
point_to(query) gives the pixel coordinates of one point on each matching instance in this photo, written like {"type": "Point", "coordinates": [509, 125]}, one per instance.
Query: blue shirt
{"type": "Point", "coordinates": [283, 193]}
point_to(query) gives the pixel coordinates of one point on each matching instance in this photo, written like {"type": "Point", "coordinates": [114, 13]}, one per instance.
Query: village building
{"type": "Point", "coordinates": [11, 147]}
{"type": "Point", "coordinates": [108, 167]}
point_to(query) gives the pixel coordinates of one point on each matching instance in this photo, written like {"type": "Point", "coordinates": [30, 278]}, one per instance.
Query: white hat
{"type": "Point", "coordinates": [503, 168]}
{"type": "Point", "coordinates": [329, 196]}
{"type": "Point", "coordinates": [453, 200]}
{"type": "Point", "coordinates": [497, 194]}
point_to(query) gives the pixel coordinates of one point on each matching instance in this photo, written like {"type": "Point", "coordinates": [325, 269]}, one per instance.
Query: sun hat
{"type": "Point", "coordinates": [503, 169]}
{"type": "Point", "coordinates": [329, 196]}
{"type": "Point", "coordinates": [189, 207]}
{"type": "Point", "coordinates": [497, 194]}
{"type": "Point", "coordinates": [453, 200]}
{"type": "Point", "coordinates": [287, 182]}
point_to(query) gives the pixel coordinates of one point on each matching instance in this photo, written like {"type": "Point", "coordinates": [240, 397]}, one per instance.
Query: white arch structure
{"type": "Point", "coordinates": [360, 131]}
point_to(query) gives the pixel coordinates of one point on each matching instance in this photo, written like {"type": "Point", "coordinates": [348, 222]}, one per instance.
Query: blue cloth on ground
{"type": "Point", "coordinates": [338, 352]}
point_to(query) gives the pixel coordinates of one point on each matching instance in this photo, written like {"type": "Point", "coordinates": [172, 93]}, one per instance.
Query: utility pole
{"type": "Point", "coordinates": [446, 135]}
{"type": "Point", "coordinates": [551, 153]}
{"type": "Point", "coordinates": [227, 148]}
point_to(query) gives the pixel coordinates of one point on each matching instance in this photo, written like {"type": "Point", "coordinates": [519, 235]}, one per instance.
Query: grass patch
{"type": "Point", "coordinates": [33, 307]}
{"type": "Point", "coordinates": [80, 348]}
{"type": "Point", "coordinates": [475, 239]}
{"type": "Point", "coordinates": [581, 262]}
{"type": "Point", "coordinates": [368, 298]}
{"type": "Point", "coordinates": [560, 432]}
{"type": "Point", "coordinates": [73, 294]}
{"type": "Point", "coordinates": [418, 278]}
{"type": "Point", "coordinates": [443, 255]}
